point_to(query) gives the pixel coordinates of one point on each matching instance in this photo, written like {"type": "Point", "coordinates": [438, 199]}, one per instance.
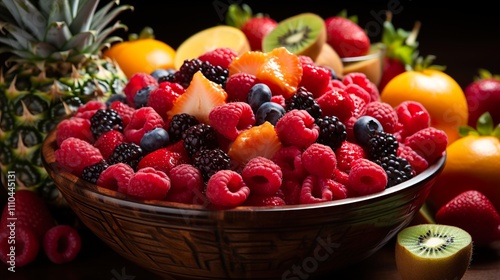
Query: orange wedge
{"type": "Point", "coordinates": [281, 71]}
{"type": "Point", "coordinates": [248, 62]}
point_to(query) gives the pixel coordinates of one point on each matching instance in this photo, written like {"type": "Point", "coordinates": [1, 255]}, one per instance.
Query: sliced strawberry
{"type": "Point", "coordinates": [200, 97]}
{"type": "Point", "coordinates": [282, 72]}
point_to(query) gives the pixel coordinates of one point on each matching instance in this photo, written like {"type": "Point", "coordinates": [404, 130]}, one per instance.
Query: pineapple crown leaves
{"type": "Point", "coordinates": [484, 127]}
{"type": "Point", "coordinates": [400, 44]}
{"type": "Point", "coordinates": [58, 30]}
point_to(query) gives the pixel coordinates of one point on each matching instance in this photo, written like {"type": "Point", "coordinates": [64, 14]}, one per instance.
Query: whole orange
{"type": "Point", "coordinates": [143, 54]}
{"type": "Point", "coordinates": [438, 92]}
{"type": "Point", "coordinates": [472, 163]}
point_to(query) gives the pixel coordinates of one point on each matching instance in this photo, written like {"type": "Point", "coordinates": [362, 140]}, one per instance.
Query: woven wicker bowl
{"type": "Point", "coordinates": [179, 241]}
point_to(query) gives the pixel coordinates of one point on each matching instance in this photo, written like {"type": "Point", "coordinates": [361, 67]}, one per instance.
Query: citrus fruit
{"type": "Point", "coordinates": [220, 36]}
{"type": "Point", "coordinates": [473, 162]}
{"type": "Point", "coordinates": [142, 54]}
{"type": "Point", "coordinates": [438, 92]}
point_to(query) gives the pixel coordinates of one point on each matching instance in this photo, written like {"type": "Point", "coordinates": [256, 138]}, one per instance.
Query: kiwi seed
{"type": "Point", "coordinates": [433, 251]}
{"type": "Point", "coordinates": [302, 34]}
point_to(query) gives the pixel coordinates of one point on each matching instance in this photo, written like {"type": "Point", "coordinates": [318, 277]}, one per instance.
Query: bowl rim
{"type": "Point", "coordinates": [111, 196]}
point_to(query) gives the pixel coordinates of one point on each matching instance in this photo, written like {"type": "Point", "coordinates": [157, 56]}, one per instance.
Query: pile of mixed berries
{"type": "Point", "coordinates": [256, 129]}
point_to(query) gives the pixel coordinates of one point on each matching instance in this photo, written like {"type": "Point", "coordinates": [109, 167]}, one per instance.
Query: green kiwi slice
{"type": "Point", "coordinates": [302, 34]}
{"type": "Point", "coordinates": [433, 251]}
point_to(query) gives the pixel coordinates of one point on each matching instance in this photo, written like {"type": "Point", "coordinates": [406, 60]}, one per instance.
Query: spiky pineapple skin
{"type": "Point", "coordinates": [32, 106]}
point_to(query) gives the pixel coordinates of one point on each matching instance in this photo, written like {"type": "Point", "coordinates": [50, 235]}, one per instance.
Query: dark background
{"type": "Point", "coordinates": [463, 37]}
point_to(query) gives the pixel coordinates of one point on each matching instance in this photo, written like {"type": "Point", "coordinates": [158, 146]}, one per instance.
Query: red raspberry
{"type": "Point", "coordinates": [27, 245]}
{"type": "Point", "coordinates": [315, 79]}
{"type": "Point", "coordinates": [162, 159]}
{"type": "Point", "coordinates": [87, 110]}
{"type": "Point", "coordinates": [289, 159]}
{"type": "Point", "coordinates": [124, 111]}
{"type": "Point", "coordinates": [359, 106]}
{"type": "Point", "coordinates": [417, 162]}
{"type": "Point", "coordinates": [62, 244]}
{"type": "Point", "coordinates": [349, 127]}
{"type": "Point", "coordinates": [279, 99]}
{"type": "Point", "coordinates": [226, 189]}
{"type": "Point", "coordinates": [343, 178]}
{"type": "Point", "coordinates": [74, 127]}
{"type": "Point", "coordinates": [338, 189]}
{"type": "Point", "coordinates": [76, 154]}
{"type": "Point", "coordinates": [297, 128]}
{"type": "Point", "coordinates": [135, 83]}
{"type": "Point", "coordinates": [186, 185]}
{"type": "Point", "coordinates": [337, 84]}
{"type": "Point", "coordinates": [219, 56]}
{"type": "Point", "coordinates": [149, 183]}
{"type": "Point", "coordinates": [264, 200]}
{"type": "Point", "coordinates": [413, 117]}
{"type": "Point", "coordinates": [361, 80]}
{"type": "Point", "coordinates": [367, 177]}
{"type": "Point", "coordinates": [384, 113]}
{"type": "Point", "coordinates": [358, 91]}
{"type": "Point", "coordinates": [262, 176]}
{"type": "Point", "coordinates": [347, 153]}
{"type": "Point", "coordinates": [31, 212]}
{"type": "Point", "coordinates": [143, 120]}
{"type": "Point", "coordinates": [238, 85]}
{"type": "Point", "coordinates": [291, 190]}
{"type": "Point", "coordinates": [116, 177]}
{"type": "Point", "coordinates": [107, 142]}
{"type": "Point", "coordinates": [230, 119]}
{"type": "Point", "coordinates": [162, 99]}
{"type": "Point", "coordinates": [305, 59]}
{"type": "Point", "coordinates": [319, 160]}
{"type": "Point", "coordinates": [429, 143]}
{"type": "Point", "coordinates": [336, 103]}
{"type": "Point", "coordinates": [315, 190]}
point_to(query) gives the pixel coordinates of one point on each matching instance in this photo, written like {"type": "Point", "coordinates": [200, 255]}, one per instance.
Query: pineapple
{"type": "Point", "coordinates": [53, 65]}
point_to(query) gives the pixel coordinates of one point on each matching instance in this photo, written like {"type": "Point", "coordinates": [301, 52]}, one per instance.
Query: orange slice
{"type": "Point", "coordinates": [199, 98]}
{"type": "Point", "coordinates": [281, 71]}
{"type": "Point", "coordinates": [256, 141]}
{"type": "Point", "coordinates": [248, 62]}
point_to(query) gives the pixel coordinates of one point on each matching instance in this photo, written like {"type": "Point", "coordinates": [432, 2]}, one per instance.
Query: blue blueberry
{"type": "Point", "coordinates": [258, 94]}
{"type": "Point", "coordinates": [364, 128]}
{"type": "Point", "coordinates": [142, 95]}
{"type": "Point", "coordinates": [116, 97]}
{"type": "Point", "coordinates": [269, 111]}
{"type": "Point", "coordinates": [154, 140]}
{"type": "Point", "coordinates": [158, 73]}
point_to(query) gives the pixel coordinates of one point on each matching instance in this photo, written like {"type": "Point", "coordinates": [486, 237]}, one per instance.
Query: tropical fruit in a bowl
{"type": "Point", "coordinates": [49, 77]}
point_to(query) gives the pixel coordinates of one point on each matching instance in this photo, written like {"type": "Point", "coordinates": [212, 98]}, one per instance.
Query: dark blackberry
{"type": "Point", "coordinates": [128, 153]}
{"type": "Point", "coordinates": [199, 137]}
{"type": "Point", "coordinates": [92, 172]}
{"type": "Point", "coordinates": [214, 73]}
{"type": "Point", "coordinates": [397, 168]}
{"type": "Point", "coordinates": [209, 161]}
{"type": "Point", "coordinates": [304, 100]}
{"type": "Point", "coordinates": [381, 144]}
{"type": "Point", "coordinates": [332, 132]}
{"type": "Point", "coordinates": [178, 124]}
{"type": "Point", "coordinates": [105, 120]}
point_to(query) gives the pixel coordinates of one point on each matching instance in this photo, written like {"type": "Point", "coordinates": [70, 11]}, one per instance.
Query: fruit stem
{"type": "Point", "coordinates": [146, 33]}
{"type": "Point", "coordinates": [484, 127]}
{"type": "Point", "coordinates": [412, 38]}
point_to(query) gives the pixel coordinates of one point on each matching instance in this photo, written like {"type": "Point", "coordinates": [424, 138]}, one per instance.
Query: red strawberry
{"type": "Point", "coordinates": [255, 27]}
{"type": "Point", "coordinates": [401, 50]}
{"type": "Point", "coordinates": [346, 37]}
{"type": "Point", "coordinates": [483, 95]}
{"type": "Point", "coordinates": [473, 212]}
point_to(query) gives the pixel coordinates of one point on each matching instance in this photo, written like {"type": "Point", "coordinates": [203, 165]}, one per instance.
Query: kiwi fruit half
{"type": "Point", "coordinates": [433, 251]}
{"type": "Point", "coordinates": [302, 34]}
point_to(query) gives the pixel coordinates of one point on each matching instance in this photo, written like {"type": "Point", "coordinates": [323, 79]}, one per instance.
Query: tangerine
{"type": "Point", "coordinates": [438, 92]}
